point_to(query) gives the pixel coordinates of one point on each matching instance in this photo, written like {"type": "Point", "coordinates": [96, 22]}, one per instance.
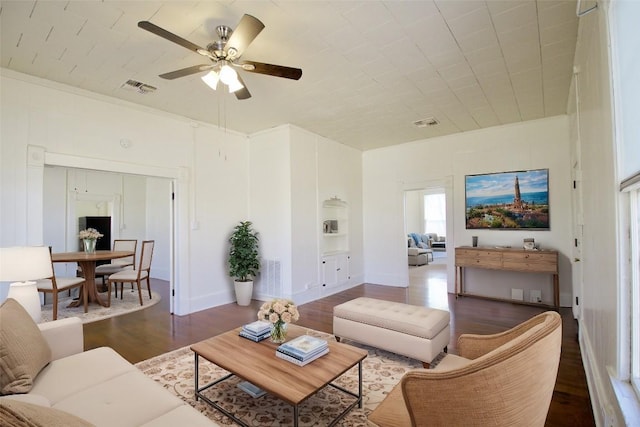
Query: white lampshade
{"type": "Point", "coordinates": [211, 79]}
{"type": "Point", "coordinates": [228, 75]}
{"type": "Point", "coordinates": [235, 85]}
{"type": "Point", "coordinates": [20, 265]}
{"type": "Point", "coordinates": [23, 263]}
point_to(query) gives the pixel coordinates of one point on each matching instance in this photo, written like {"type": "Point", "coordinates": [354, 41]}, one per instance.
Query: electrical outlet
{"type": "Point", "coordinates": [517, 294]}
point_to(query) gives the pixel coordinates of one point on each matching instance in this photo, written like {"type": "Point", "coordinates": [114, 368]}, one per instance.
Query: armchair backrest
{"type": "Point", "coordinates": [511, 385]}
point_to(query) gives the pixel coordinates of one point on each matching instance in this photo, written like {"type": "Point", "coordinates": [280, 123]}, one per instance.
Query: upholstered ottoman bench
{"type": "Point", "coordinates": [413, 331]}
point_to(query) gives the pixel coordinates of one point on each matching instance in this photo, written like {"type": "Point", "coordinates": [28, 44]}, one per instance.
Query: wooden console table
{"type": "Point", "coordinates": [544, 261]}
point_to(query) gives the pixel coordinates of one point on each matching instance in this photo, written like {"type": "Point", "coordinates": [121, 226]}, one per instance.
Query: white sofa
{"type": "Point", "coordinates": [100, 386]}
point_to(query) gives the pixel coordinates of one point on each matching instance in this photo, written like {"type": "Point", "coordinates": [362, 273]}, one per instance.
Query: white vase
{"type": "Point", "coordinates": [244, 291]}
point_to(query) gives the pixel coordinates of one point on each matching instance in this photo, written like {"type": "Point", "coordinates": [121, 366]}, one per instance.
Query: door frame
{"type": "Point", "coordinates": [38, 158]}
{"type": "Point", "coordinates": [445, 183]}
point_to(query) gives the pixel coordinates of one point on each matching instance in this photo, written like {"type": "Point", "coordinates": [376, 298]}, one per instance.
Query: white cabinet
{"type": "Point", "coordinates": [335, 270]}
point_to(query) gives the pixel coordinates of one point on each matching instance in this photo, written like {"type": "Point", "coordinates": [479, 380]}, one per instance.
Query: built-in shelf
{"type": "Point", "coordinates": [335, 226]}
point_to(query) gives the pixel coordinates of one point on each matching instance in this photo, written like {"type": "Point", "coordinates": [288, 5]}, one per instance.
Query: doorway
{"type": "Point", "coordinates": [428, 208]}
{"type": "Point", "coordinates": [173, 191]}
{"type": "Point", "coordinates": [426, 216]}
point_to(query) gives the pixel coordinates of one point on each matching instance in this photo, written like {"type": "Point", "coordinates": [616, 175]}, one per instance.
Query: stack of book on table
{"type": "Point", "coordinates": [256, 331]}
{"type": "Point", "coordinates": [302, 350]}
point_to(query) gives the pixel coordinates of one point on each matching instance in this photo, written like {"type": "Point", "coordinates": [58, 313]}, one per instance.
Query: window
{"type": "Point", "coordinates": [625, 65]}
{"type": "Point", "coordinates": [435, 214]}
{"type": "Point", "coordinates": [634, 211]}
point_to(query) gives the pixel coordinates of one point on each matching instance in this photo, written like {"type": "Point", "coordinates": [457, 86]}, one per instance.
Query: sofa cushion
{"type": "Point", "coordinates": [23, 349]}
{"type": "Point", "coordinates": [79, 372]}
{"type": "Point", "coordinates": [14, 413]}
{"type": "Point", "coordinates": [129, 400]}
{"type": "Point", "coordinates": [451, 362]}
{"type": "Point", "coordinates": [415, 251]}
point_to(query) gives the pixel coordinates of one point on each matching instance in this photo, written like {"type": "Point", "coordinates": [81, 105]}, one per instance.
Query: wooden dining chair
{"type": "Point", "coordinates": [135, 276]}
{"type": "Point", "coordinates": [54, 285]}
{"type": "Point", "coordinates": [119, 264]}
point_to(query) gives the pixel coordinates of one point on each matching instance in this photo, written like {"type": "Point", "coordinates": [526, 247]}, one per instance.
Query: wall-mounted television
{"type": "Point", "coordinates": [517, 200]}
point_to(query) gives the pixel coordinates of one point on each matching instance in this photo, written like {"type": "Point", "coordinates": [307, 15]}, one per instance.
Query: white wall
{"type": "Point", "coordinates": [270, 208]}
{"type": "Point", "coordinates": [292, 171]}
{"type": "Point", "coordinates": [340, 175]}
{"type": "Point", "coordinates": [540, 144]}
{"type": "Point", "coordinates": [305, 213]}
{"type": "Point", "coordinates": [210, 167]}
{"type": "Point", "coordinates": [598, 302]}
{"type": "Point", "coordinates": [413, 208]}
{"type": "Point", "coordinates": [157, 209]}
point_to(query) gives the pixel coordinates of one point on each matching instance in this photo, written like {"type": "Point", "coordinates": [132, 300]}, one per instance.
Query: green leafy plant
{"type": "Point", "coordinates": [244, 262]}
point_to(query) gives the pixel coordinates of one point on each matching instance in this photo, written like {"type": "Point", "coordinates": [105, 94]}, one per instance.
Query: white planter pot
{"type": "Point", "coordinates": [244, 291]}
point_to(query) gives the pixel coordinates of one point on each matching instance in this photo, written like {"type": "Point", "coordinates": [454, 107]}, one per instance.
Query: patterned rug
{"type": "Point", "coordinates": [129, 303]}
{"type": "Point", "coordinates": [381, 371]}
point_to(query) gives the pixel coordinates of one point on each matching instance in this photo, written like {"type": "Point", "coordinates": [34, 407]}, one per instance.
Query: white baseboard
{"type": "Point", "coordinates": [595, 383]}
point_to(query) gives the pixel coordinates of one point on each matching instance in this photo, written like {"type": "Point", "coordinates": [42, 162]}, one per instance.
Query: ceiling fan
{"type": "Point", "coordinates": [225, 55]}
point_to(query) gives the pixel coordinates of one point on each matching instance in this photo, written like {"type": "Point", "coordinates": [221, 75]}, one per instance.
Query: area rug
{"type": "Point", "coordinates": [128, 304]}
{"type": "Point", "coordinates": [381, 371]}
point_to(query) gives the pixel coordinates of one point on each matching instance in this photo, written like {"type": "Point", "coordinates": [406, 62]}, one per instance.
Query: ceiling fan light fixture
{"type": "Point", "coordinates": [228, 75]}
{"type": "Point", "coordinates": [211, 79]}
{"type": "Point", "coordinates": [235, 85]}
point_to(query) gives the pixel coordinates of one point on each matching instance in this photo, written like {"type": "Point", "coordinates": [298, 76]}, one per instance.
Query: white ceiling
{"type": "Point", "coordinates": [370, 68]}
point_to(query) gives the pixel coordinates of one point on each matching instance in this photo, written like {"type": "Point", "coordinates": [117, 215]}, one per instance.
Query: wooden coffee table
{"type": "Point", "coordinates": [258, 364]}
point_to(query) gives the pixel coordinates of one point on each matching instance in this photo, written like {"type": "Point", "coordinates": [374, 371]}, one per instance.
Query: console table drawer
{"type": "Point", "coordinates": [531, 261]}
{"type": "Point", "coordinates": [471, 258]}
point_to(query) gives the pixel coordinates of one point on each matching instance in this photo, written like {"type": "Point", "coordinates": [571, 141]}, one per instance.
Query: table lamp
{"type": "Point", "coordinates": [22, 265]}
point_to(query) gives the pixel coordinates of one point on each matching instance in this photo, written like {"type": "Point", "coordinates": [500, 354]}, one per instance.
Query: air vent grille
{"type": "Point", "coordinates": [137, 86]}
{"type": "Point", "coordinates": [429, 121]}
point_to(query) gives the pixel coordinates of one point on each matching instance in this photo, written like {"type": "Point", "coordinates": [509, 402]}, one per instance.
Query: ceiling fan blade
{"type": "Point", "coordinates": [244, 92]}
{"type": "Point", "coordinates": [185, 71]}
{"type": "Point", "coordinates": [248, 29]}
{"type": "Point", "coordinates": [272, 70]}
{"type": "Point", "coordinates": [153, 28]}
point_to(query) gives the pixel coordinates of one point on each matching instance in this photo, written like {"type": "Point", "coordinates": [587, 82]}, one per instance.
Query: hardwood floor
{"type": "Point", "coordinates": [153, 331]}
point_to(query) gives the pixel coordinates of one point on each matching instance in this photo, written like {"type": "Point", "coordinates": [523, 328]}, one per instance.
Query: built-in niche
{"type": "Point", "coordinates": [335, 226]}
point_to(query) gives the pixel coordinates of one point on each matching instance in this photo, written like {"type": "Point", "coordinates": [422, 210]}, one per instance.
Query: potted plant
{"type": "Point", "coordinates": [244, 263]}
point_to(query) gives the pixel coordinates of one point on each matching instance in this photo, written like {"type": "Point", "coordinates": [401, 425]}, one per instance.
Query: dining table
{"type": "Point", "coordinates": [87, 262]}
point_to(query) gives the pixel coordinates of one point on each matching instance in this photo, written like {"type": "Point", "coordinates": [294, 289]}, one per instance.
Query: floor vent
{"type": "Point", "coordinates": [270, 277]}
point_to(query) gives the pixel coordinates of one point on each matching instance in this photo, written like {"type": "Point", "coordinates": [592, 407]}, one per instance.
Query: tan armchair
{"type": "Point", "coordinates": [506, 379]}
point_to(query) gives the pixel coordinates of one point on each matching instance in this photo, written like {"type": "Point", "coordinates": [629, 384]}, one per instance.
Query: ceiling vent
{"type": "Point", "coordinates": [430, 121]}
{"type": "Point", "coordinates": [137, 86]}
